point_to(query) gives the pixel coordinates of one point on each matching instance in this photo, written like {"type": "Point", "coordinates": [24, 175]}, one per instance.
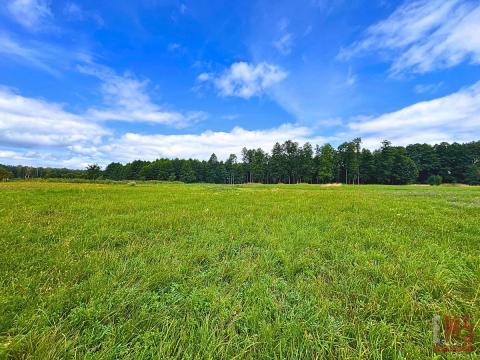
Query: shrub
{"type": "Point", "coordinates": [434, 180]}
{"type": "Point", "coordinates": [5, 174]}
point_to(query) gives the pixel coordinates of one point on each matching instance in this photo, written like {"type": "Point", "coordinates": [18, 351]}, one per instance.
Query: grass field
{"type": "Point", "coordinates": [217, 271]}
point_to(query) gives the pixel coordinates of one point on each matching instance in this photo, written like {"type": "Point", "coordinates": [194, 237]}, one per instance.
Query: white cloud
{"type": "Point", "coordinates": [31, 14]}
{"type": "Point", "coordinates": [425, 35]}
{"type": "Point", "coordinates": [204, 77]}
{"type": "Point", "coordinates": [455, 117]}
{"type": "Point", "coordinates": [48, 159]}
{"type": "Point", "coordinates": [127, 99]}
{"type": "Point", "coordinates": [284, 44]}
{"type": "Point", "coordinates": [246, 80]}
{"type": "Point", "coordinates": [27, 122]}
{"type": "Point", "coordinates": [37, 132]}
{"type": "Point", "coordinates": [201, 146]}
{"type": "Point", "coordinates": [41, 133]}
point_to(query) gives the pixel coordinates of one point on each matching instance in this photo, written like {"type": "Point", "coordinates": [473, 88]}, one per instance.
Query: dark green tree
{"type": "Point", "coordinates": [367, 167]}
{"type": "Point", "coordinates": [434, 180]}
{"type": "Point", "coordinates": [307, 167]}
{"type": "Point", "coordinates": [277, 164]}
{"type": "Point", "coordinates": [114, 171]}
{"type": "Point", "coordinates": [5, 174]}
{"type": "Point", "coordinates": [231, 168]}
{"type": "Point", "coordinates": [347, 164]}
{"type": "Point", "coordinates": [425, 159]}
{"type": "Point", "coordinates": [93, 172]}
{"type": "Point", "coordinates": [473, 175]}
{"type": "Point", "coordinates": [325, 158]}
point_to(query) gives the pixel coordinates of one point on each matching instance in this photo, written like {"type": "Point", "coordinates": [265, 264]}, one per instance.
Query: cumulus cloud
{"type": "Point", "coordinates": [126, 98]}
{"type": "Point", "coordinates": [245, 80]}
{"type": "Point", "coordinates": [31, 14]}
{"type": "Point", "coordinates": [41, 133]}
{"type": "Point", "coordinates": [424, 35]}
{"type": "Point", "coordinates": [27, 122]}
{"type": "Point", "coordinates": [455, 117]}
{"type": "Point", "coordinates": [35, 132]}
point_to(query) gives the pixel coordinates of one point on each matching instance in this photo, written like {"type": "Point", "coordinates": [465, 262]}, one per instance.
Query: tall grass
{"type": "Point", "coordinates": [216, 271]}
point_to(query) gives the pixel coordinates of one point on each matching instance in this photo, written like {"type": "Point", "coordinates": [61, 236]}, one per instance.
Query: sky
{"type": "Point", "coordinates": [85, 82]}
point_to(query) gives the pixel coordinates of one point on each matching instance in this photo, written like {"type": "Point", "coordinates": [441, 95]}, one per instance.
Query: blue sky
{"type": "Point", "coordinates": [97, 81]}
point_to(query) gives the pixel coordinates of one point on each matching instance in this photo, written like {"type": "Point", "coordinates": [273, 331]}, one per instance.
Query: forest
{"type": "Point", "coordinates": [292, 163]}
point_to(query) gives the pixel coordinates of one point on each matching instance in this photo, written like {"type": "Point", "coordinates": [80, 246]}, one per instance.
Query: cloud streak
{"type": "Point", "coordinates": [126, 98]}
{"type": "Point", "coordinates": [424, 35]}
{"type": "Point", "coordinates": [31, 14]}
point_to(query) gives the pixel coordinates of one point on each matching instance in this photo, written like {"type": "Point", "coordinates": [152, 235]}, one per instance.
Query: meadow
{"type": "Point", "coordinates": [217, 271]}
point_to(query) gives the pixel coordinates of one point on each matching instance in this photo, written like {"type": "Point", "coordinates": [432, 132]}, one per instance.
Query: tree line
{"type": "Point", "coordinates": [292, 163]}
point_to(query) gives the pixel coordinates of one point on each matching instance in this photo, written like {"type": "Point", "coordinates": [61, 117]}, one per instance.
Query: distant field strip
{"type": "Point", "coordinates": [216, 271]}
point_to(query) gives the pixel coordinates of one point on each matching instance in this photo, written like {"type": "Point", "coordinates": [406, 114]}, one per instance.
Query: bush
{"type": "Point", "coordinates": [473, 175]}
{"type": "Point", "coordinates": [5, 174]}
{"type": "Point", "coordinates": [434, 180]}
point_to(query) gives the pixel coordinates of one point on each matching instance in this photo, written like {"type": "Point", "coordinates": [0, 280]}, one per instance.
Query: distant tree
{"type": "Point", "coordinates": [307, 167]}
{"type": "Point", "coordinates": [187, 173]}
{"type": "Point", "coordinates": [292, 163]}
{"type": "Point", "coordinates": [247, 159]}
{"type": "Point", "coordinates": [149, 171]}
{"type": "Point", "coordinates": [258, 165]}
{"type": "Point", "coordinates": [132, 170]}
{"type": "Point", "coordinates": [277, 164]}
{"type": "Point", "coordinates": [473, 175]}
{"type": "Point", "coordinates": [434, 180]}
{"type": "Point", "coordinates": [5, 174]}
{"type": "Point", "coordinates": [93, 172]}
{"type": "Point", "coordinates": [215, 170]}
{"type": "Point", "coordinates": [325, 158]}
{"type": "Point", "coordinates": [393, 165]}
{"type": "Point", "coordinates": [383, 160]}
{"type": "Point", "coordinates": [357, 142]}
{"type": "Point", "coordinates": [425, 159]}
{"type": "Point", "coordinates": [346, 156]}
{"type": "Point", "coordinates": [231, 168]}
{"type": "Point", "coordinates": [454, 161]}
{"type": "Point", "coordinates": [291, 151]}
{"type": "Point", "coordinates": [367, 167]}
{"type": "Point", "coordinates": [404, 170]}
{"type": "Point", "coordinates": [114, 171]}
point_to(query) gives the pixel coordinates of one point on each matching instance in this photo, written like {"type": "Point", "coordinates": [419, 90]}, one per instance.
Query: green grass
{"type": "Point", "coordinates": [215, 271]}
